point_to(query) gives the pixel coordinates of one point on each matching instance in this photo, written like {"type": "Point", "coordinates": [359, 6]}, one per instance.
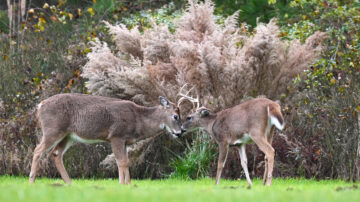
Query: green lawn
{"type": "Point", "coordinates": [17, 189]}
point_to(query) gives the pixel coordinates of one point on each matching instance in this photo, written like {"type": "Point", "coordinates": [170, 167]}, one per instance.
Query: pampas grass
{"type": "Point", "coordinates": [223, 63]}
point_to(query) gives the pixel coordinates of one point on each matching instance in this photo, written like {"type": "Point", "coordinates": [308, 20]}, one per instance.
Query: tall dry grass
{"type": "Point", "coordinates": [223, 62]}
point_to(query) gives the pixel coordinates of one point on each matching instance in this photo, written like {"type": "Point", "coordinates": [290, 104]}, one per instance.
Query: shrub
{"type": "Point", "coordinates": [197, 160]}
{"type": "Point", "coordinates": [323, 110]}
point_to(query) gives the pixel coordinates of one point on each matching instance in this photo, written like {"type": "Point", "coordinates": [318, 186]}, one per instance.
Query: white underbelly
{"type": "Point", "coordinates": [76, 138]}
{"type": "Point", "coordinates": [245, 139]}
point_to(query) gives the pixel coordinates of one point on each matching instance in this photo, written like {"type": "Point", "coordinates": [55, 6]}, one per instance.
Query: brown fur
{"type": "Point", "coordinates": [98, 118]}
{"type": "Point", "coordinates": [230, 125]}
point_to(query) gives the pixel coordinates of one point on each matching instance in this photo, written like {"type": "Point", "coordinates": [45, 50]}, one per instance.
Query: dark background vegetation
{"type": "Point", "coordinates": [321, 106]}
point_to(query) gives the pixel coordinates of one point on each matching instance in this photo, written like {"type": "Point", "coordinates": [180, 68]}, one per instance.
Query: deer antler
{"type": "Point", "coordinates": [185, 96]}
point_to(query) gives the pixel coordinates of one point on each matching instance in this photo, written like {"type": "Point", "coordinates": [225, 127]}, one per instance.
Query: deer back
{"type": "Point", "coordinates": [247, 116]}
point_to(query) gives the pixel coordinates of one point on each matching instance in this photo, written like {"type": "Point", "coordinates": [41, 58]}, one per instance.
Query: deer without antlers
{"type": "Point", "coordinates": [68, 118]}
{"type": "Point", "coordinates": [251, 121]}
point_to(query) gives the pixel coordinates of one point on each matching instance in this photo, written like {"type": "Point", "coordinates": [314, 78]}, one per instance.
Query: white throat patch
{"type": "Point", "coordinates": [164, 126]}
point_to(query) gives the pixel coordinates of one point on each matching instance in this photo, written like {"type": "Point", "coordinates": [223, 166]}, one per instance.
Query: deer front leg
{"type": "Point", "coordinates": [223, 151]}
{"type": "Point", "coordinates": [243, 158]}
{"type": "Point", "coordinates": [127, 172]}
{"type": "Point", "coordinates": [119, 149]}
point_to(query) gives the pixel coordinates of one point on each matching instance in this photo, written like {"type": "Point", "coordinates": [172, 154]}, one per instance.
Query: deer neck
{"type": "Point", "coordinates": [207, 122]}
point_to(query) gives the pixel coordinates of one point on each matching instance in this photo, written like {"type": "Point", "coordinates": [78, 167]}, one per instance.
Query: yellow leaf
{"type": "Point", "coordinates": [31, 11]}
{"type": "Point", "coordinates": [6, 57]}
{"type": "Point", "coordinates": [12, 42]}
{"type": "Point", "coordinates": [87, 50]}
{"type": "Point", "coordinates": [306, 101]}
{"type": "Point", "coordinates": [53, 9]}
{"type": "Point", "coordinates": [351, 64]}
{"type": "Point", "coordinates": [42, 20]}
{"type": "Point", "coordinates": [94, 1]}
{"type": "Point", "coordinates": [70, 16]}
{"type": "Point", "coordinates": [332, 81]}
{"type": "Point", "coordinates": [46, 5]}
{"type": "Point", "coordinates": [79, 12]}
{"type": "Point", "coordinates": [76, 73]}
{"type": "Point", "coordinates": [91, 11]}
{"type": "Point", "coordinates": [358, 108]}
{"type": "Point", "coordinates": [272, 1]}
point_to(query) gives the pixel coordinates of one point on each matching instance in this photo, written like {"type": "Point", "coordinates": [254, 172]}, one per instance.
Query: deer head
{"type": "Point", "coordinates": [171, 121]}
{"type": "Point", "coordinates": [200, 118]}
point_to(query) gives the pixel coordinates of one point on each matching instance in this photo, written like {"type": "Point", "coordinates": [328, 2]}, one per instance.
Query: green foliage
{"type": "Point", "coordinates": [327, 100]}
{"type": "Point", "coordinates": [250, 10]}
{"type": "Point", "coordinates": [4, 22]}
{"type": "Point", "coordinates": [163, 15]}
{"type": "Point", "coordinates": [197, 158]}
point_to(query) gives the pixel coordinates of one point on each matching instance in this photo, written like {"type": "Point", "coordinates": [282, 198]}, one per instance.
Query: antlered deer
{"type": "Point", "coordinates": [67, 118]}
{"type": "Point", "coordinates": [253, 120]}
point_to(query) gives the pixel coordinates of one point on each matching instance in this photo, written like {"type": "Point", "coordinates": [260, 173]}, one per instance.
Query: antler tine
{"type": "Point", "coordinates": [198, 102]}
{"type": "Point", "coordinates": [180, 101]}
{"type": "Point", "coordinates": [186, 96]}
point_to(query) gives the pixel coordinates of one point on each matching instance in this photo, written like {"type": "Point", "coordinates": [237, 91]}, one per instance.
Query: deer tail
{"type": "Point", "coordinates": [276, 118]}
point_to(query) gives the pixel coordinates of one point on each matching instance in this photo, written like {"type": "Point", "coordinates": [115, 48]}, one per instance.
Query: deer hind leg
{"type": "Point", "coordinates": [264, 146]}
{"type": "Point", "coordinates": [265, 171]}
{"type": "Point", "coordinates": [223, 151]}
{"type": "Point", "coordinates": [269, 139]}
{"type": "Point", "coordinates": [119, 149]}
{"type": "Point", "coordinates": [57, 154]}
{"type": "Point", "coordinates": [47, 142]}
{"type": "Point", "coordinates": [243, 158]}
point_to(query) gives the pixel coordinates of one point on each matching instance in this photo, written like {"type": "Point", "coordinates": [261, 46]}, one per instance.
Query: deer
{"type": "Point", "coordinates": [250, 121]}
{"type": "Point", "coordinates": [68, 118]}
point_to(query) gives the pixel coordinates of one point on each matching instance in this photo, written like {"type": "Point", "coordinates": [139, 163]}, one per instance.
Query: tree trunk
{"type": "Point", "coordinates": [357, 160]}
{"type": "Point", "coordinates": [16, 12]}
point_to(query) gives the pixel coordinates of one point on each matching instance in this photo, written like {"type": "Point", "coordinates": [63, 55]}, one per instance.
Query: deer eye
{"type": "Point", "coordinates": [188, 118]}
{"type": "Point", "coordinates": [176, 117]}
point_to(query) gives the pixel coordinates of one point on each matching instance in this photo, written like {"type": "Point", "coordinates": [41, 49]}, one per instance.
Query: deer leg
{"type": "Point", "coordinates": [39, 150]}
{"type": "Point", "coordinates": [119, 149]}
{"type": "Point", "coordinates": [269, 139]}
{"type": "Point", "coordinates": [265, 170]}
{"type": "Point", "coordinates": [57, 154]}
{"type": "Point", "coordinates": [264, 146]}
{"type": "Point", "coordinates": [47, 142]}
{"type": "Point", "coordinates": [223, 151]}
{"type": "Point", "coordinates": [243, 158]}
{"type": "Point", "coordinates": [127, 174]}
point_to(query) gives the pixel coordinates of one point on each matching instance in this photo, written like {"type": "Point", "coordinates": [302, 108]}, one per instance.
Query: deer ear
{"type": "Point", "coordinates": [163, 101]}
{"type": "Point", "coordinates": [204, 112]}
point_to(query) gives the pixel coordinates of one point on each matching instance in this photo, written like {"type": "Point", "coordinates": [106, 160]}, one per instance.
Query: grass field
{"type": "Point", "coordinates": [17, 189]}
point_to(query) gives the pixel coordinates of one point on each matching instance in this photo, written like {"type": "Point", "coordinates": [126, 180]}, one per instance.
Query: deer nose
{"type": "Point", "coordinates": [183, 130]}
